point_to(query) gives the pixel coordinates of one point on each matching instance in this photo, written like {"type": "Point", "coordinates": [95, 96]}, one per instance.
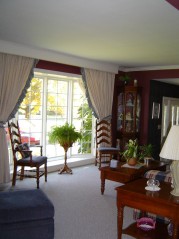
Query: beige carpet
{"type": "Point", "coordinates": [81, 212]}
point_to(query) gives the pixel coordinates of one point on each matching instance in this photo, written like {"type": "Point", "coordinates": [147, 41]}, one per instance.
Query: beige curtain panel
{"type": "Point", "coordinates": [100, 87]}
{"type": "Point", "coordinates": [14, 73]}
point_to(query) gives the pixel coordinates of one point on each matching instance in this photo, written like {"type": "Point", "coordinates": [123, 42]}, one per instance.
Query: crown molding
{"type": "Point", "coordinates": [43, 54]}
{"type": "Point", "coordinates": [150, 68]}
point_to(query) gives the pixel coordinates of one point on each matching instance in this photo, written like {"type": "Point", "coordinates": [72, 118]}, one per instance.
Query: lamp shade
{"type": "Point", "coordinates": [170, 149]}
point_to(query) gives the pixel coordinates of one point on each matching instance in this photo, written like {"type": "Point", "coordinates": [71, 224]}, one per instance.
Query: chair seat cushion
{"type": "Point", "coordinates": [108, 149]}
{"type": "Point", "coordinates": [24, 205]}
{"type": "Point", "coordinates": [37, 160]}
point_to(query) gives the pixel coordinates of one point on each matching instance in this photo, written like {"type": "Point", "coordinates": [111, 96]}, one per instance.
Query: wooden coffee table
{"type": "Point", "coordinates": [162, 203]}
{"type": "Point", "coordinates": [125, 175]}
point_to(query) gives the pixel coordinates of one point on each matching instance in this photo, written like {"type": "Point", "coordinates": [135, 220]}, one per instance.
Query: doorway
{"type": "Point", "coordinates": [170, 115]}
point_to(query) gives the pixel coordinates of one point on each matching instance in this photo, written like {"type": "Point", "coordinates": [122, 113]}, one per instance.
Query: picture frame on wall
{"type": "Point", "coordinates": [155, 110]}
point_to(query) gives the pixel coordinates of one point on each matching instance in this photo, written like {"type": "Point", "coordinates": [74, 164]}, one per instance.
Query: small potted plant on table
{"type": "Point", "coordinates": [131, 152]}
{"type": "Point", "coordinates": [146, 152]}
{"type": "Point", "coordinates": [65, 135]}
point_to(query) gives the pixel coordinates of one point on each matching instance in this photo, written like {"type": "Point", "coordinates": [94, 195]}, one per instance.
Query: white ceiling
{"type": "Point", "coordinates": [121, 34]}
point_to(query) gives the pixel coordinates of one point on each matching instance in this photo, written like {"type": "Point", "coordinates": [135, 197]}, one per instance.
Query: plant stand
{"type": "Point", "coordinates": [65, 167]}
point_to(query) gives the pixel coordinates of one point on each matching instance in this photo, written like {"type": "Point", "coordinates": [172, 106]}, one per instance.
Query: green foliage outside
{"type": "Point", "coordinates": [31, 104]}
{"type": "Point", "coordinates": [85, 113]}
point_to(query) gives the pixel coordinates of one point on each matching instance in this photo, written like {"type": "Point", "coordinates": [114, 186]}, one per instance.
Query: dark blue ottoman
{"type": "Point", "coordinates": [26, 214]}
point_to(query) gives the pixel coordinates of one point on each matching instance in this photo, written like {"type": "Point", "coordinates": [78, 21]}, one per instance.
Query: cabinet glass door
{"type": "Point", "coordinates": [128, 113]}
{"type": "Point", "coordinates": [120, 112]}
{"type": "Point", "coordinates": [129, 125]}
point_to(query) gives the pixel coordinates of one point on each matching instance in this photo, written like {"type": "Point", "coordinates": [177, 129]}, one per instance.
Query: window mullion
{"type": "Point", "coordinates": [69, 108]}
{"type": "Point", "coordinates": [44, 113]}
{"type": "Point", "coordinates": [70, 101]}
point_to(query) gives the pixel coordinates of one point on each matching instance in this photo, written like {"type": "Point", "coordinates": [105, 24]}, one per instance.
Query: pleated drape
{"type": "Point", "coordinates": [99, 90]}
{"type": "Point", "coordinates": [15, 76]}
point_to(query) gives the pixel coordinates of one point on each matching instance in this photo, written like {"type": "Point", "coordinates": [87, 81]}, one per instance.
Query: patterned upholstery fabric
{"type": "Point", "coordinates": [161, 176]}
{"type": "Point", "coordinates": [22, 149]}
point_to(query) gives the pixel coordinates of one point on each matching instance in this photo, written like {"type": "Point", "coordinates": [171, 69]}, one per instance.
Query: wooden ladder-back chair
{"type": "Point", "coordinates": [22, 157]}
{"type": "Point", "coordinates": [104, 142]}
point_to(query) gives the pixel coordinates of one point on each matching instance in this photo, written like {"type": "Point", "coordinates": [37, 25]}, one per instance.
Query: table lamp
{"type": "Point", "coordinates": [170, 150]}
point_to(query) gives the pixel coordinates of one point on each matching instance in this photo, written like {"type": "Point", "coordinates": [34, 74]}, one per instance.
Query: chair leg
{"type": "Point", "coordinates": [96, 159]}
{"type": "Point", "coordinates": [45, 166]}
{"type": "Point", "coordinates": [37, 175]}
{"type": "Point", "coordinates": [14, 176]}
{"type": "Point", "coordinates": [96, 162]}
{"type": "Point", "coordinates": [100, 161]}
{"type": "Point", "coordinates": [22, 173]}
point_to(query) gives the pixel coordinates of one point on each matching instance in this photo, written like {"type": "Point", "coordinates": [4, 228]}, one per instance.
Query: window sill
{"type": "Point", "coordinates": [72, 162]}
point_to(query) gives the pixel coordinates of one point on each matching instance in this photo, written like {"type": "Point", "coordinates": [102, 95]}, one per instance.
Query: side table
{"type": "Point", "coordinates": [127, 174]}
{"type": "Point", "coordinates": [134, 195]}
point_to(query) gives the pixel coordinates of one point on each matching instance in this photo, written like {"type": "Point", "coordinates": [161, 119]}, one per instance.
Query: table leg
{"type": "Point", "coordinates": [120, 212]}
{"type": "Point", "coordinates": [102, 183]}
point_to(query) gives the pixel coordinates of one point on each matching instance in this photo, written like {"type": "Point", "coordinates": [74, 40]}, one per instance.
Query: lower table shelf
{"type": "Point", "coordinates": [160, 232]}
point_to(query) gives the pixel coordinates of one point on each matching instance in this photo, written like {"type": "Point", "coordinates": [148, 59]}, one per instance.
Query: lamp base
{"type": "Point", "coordinates": [175, 177]}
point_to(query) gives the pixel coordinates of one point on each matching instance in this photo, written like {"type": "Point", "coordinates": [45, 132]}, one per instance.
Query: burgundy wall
{"type": "Point", "coordinates": [174, 3]}
{"type": "Point", "coordinates": [47, 65]}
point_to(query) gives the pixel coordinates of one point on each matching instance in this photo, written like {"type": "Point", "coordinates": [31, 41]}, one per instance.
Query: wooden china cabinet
{"type": "Point", "coordinates": [128, 114]}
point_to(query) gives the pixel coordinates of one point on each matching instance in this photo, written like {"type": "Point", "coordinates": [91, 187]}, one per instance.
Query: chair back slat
{"type": "Point", "coordinates": [104, 142]}
{"type": "Point", "coordinates": [104, 147]}
{"type": "Point", "coordinates": [103, 133]}
{"type": "Point", "coordinates": [15, 137]}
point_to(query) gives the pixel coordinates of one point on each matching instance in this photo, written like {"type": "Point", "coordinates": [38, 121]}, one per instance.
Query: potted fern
{"type": "Point", "coordinates": [65, 135]}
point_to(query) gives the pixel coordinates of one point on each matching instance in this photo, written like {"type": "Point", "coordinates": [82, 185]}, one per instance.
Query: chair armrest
{"type": "Point", "coordinates": [26, 151]}
{"type": "Point", "coordinates": [37, 146]}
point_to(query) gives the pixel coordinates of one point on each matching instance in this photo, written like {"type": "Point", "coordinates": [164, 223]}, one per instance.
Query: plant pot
{"type": "Point", "coordinates": [132, 161]}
